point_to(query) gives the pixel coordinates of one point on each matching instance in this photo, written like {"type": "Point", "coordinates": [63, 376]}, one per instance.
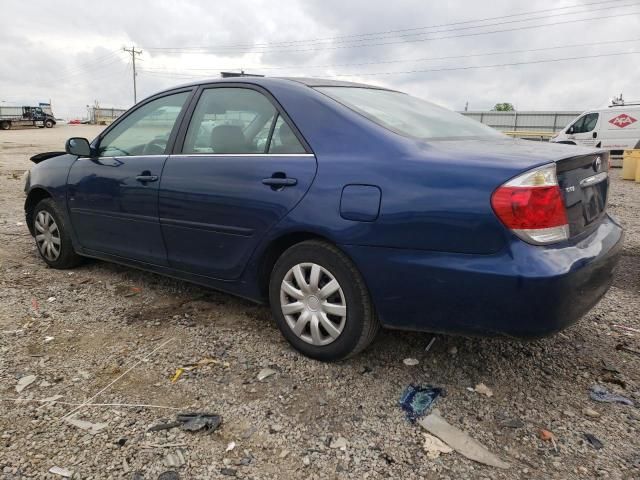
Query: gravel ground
{"type": "Point", "coordinates": [113, 335]}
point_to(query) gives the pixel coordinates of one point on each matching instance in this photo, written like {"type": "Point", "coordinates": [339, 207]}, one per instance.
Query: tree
{"type": "Point", "coordinates": [503, 107]}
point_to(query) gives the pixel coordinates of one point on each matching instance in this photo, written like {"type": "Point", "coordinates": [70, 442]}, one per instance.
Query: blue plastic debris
{"type": "Point", "coordinates": [416, 400]}
{"type": "Point", "coordinates": [601, 394]}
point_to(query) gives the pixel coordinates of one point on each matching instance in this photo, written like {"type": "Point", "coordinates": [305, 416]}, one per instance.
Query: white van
{"type": "Point", "coordinates": [615, 128]}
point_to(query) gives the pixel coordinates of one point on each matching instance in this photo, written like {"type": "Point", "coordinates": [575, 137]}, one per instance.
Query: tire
{"type": "Point", "coordinates": [5, 125]}
{"type": "Point", "coordinates": [48, 222]}
{"type": "Point", "coordinates": [348, 309]}
{"type": "Point", "coordinates": [49, 124]}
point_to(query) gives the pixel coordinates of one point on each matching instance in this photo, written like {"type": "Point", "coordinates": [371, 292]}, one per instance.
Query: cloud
{"type": "Point", "coordinates": [71, 52]}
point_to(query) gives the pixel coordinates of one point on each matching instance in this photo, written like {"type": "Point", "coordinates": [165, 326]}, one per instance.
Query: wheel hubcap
{"type": "Point", "coordinates": [47, 236]}
{"type": "Point", "coordinates": [313, 304]}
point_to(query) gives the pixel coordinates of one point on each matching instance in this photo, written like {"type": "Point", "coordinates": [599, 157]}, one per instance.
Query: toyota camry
{"type": "Point", "coordinates": [345, 207]}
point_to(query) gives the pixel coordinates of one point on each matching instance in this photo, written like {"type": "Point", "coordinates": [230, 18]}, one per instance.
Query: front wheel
{"type": "Point", "coordinates": [48, 123]}
{"type": "Point", "coordinates": [52, 237]}
{"type": "Point", "coordinates": [320, 302]}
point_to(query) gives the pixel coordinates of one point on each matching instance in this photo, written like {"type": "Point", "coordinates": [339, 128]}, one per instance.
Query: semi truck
{"type": "Point", "coordinates": [25, 117]}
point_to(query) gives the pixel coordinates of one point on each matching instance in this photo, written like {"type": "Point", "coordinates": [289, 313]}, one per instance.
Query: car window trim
{"type": "Point", "coordinates": [95, 144]}
{"type": "Point", "coordinates": [178, 145]}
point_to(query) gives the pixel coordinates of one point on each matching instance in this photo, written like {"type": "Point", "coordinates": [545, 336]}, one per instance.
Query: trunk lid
{"type": "Point", "coordinates": [584, 189]}
{"type": "Point", "coordinates": [584, 183]}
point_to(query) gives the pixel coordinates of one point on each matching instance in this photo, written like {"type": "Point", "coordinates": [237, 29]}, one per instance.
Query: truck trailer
{"type": "Point", "coordinates": [25, 117]}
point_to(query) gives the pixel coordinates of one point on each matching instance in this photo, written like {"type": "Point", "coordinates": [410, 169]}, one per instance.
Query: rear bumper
{"type": "Point", "coordinates": [524, 291]}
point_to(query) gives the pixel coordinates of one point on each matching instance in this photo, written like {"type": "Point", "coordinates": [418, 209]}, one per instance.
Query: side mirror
{"type": "Point", "coordinates": [78, 146]}
{"type": "Point", "coordinates": [570, 130]}
{"type": "Point", "coordinates": [594, 134]}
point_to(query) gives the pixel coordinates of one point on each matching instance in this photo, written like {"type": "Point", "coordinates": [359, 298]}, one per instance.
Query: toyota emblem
{"type": "Point", "coordinates": [597, 163]}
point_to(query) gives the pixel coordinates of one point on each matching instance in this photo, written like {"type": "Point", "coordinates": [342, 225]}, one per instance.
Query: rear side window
{"type": "Point", "coordinates": [284, 140]}
{"type": "Point", "coordinates": [230, 120]}
{"type": "Point", "coordinates": [407, 115]}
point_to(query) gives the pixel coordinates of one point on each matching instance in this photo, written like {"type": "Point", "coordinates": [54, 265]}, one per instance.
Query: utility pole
{"type": "Point", "coordinates": [133, 53]}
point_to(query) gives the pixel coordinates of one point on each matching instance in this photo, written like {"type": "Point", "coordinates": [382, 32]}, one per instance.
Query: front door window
{"type": "Point", "coordinates": [146, 130]}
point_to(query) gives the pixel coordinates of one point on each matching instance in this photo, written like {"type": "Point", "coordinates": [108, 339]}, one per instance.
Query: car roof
{"type": "Point", "coordinates": [257, 80]}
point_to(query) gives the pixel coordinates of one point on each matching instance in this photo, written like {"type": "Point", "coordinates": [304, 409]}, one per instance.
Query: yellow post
{"type": "Point", "coordinates": [629, 164]}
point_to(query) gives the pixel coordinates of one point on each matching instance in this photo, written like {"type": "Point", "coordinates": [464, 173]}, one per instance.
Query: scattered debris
{"type": "Point", "coordinates": [121, 441]}
{"type": "Point", "coordinates": [284, 453]}
{"type": "Point", "coordinates": [48, 339]}
{"type": "Point", "coordinates": [192, 366]}
{"type": "Point", "coordinates": [453, 350]}
{"type": "Point", "coordinates": [545, 435]}
{"type": "Point", "coordinates": [194, 422]}
{"type": "Point", "coordinates": [163, 445]}
{"type": "Point", "coordinates": [169, 475]}
{"type": "Point", "coordinates": [430, 344]}
{"type": "Point", "coordinates": [306, 460]}
{"type": "Point", "coordinates": [229, 472]}
{"type": "Point", "coordinates": [460, 441]}
{"type": "Point", "coordinates": [601, 394]}
{"type": "Point", "coordinates": [416, 400]}
{"type": "Point", "coordinates": [265, 373]}
{"type": "Point", "coordinates": [63, 472]}
{"type": "Point", "coordinates": [589, 412]}
{"type": "Point", "coordinates": [434, 446]}
{"type": "Point", "coordinates": [24, 382]}
{"type": "Point", "coordinates": [624, 348]}
{"type": "Point", "coordinates": [51, 299]}
{"type": "Point", "coordinates": [482, 389]}
{"type": "Point", "coordinates": [231, 446]}
{"type": "Point", "coordinates": [410, 362]}
{"type": "Point", "coordinates": [174, 459]}
{"type": "Point", "coordinates": [340, 443]}
{"type": "Point", "coordinates": [92, 428]}
{"type": "Point", "coordinates": [594, 441]}
{"type": "Point", "coordinates": [625, 328]}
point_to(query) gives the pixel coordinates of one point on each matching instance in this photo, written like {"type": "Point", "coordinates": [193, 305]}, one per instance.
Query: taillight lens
{"type": "Point", "coordinates": [531, 206]}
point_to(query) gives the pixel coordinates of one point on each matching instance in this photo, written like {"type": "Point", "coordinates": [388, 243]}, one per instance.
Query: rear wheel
{"type": "Point", "coordinates": [5, 125]}
{"type": "Point", "coordinates": [52, 236]}
{"type": "Point", "coordinates": [320, 302]}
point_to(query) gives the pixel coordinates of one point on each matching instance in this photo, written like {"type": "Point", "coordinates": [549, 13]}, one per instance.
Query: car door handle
{"type": "Point", "coordinates": [147, 178]}
{"type": "Point", "coordinates": [280, 182]}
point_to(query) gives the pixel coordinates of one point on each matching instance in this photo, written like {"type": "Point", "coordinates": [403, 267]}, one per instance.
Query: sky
{"type": "Point", "coordinates": [518, 51]}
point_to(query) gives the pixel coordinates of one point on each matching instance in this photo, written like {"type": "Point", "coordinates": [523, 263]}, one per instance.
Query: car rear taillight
{"type": "Point", "coordinates": [531, 206]}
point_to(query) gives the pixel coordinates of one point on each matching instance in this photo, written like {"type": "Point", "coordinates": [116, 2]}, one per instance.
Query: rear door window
{"type": "Point", "coordinates": [284, 140]}
{"type": "Point", "coordinates": [229, 120]}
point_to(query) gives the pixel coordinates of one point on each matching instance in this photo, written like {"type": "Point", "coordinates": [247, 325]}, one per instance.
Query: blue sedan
{"type": "Point", "coordinates": [346, 207]}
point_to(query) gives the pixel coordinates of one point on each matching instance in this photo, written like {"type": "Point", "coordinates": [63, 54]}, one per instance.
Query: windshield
{"type": "Point", "coordinates": [407, 115]}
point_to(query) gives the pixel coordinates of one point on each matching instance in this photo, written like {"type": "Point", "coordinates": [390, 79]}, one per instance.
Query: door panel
{"type": "Point", "coordinates": [214, 209]}
{"type": "Point", "coordinates": [112, 211]}
{"type": "Point", "coordinates": [113, 199]}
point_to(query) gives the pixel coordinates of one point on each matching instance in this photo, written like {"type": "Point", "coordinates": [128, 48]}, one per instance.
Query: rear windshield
{"type": "Point", "coordinates": [407, 115]}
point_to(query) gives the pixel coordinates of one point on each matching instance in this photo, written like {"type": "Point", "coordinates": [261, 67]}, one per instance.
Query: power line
{"type": "Point", "coordinates": [472, 67]}
{"type": "Point", "coordinates": [322, 39]}
{"type": "Point", "coordinates": [444, 69]}
{"type": "Point", "coordinates": [408, 60]}
{"type": "Point", "coordinates": [133, 53]}
{"type": "Point", "coordinates": [474, 34]}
